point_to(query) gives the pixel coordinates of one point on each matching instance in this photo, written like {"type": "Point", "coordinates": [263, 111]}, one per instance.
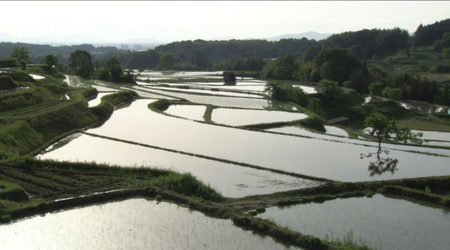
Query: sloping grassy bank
{"type": "Point", "coordinates": [35, 117]}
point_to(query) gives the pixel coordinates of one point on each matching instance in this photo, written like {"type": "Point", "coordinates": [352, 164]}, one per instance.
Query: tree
{"type": "Point", "coordinates": [167, 61]}
{"type": "Point", "coordinates": [376, 88]}
{"type": "Point", "coordinates": [336, 64]}
{"type": "Point", "coordinates": [384, 128]}
{"type": "Point", "coordinates": [114, 69]}
{"type": "Point", "coordinates": [330, 89]}
{"type": "Point", "coordinates": [80, 63]}
{"type": "Point", "coordinates": [314, 106]}
{"type": "Point", "coordinates": [50, 60]}
{"type": "Point", "coordinates": [21, 54]}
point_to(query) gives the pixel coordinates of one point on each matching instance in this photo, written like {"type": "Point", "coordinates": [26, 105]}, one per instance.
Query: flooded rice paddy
{"type": "Point", "coordinates": [222, 157]}
{"type": "Point", "coordinates": [191, 112]}
{"type": "Point", "coordinates": [246, 117]}
{"type": "Point", "coordinates": [331, 159]}
{"type": "Point", "coordinates": [381, 222]}
{"type": "Point", "coordinates": [130, 224]}
{"type": "Point", "coordinates": [230, 180]}
{"type": "Point", "coordinates": [96, 101]}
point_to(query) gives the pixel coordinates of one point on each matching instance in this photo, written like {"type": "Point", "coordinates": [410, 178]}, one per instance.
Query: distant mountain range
{"type": "Point", "coordinates": [308, 35]}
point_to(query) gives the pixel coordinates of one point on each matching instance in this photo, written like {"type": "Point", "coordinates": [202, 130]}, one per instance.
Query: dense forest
{"type": "Point", "coordinates": [388, 62]}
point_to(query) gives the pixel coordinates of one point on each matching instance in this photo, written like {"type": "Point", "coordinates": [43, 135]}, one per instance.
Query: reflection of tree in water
{"type": "Point", "coordinates": [381, 165]}
{"type": "Point", "coordinates": [382, 128]}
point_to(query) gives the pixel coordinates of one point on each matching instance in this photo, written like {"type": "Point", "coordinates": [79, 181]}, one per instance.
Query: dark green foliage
{"type": "Point", "coordinates": [229, 77]}
{"type": "Point", "coordinates": [336, 64]}
{"type": "Point", "coordinates": [161, 105]}
{"type": "Point", "coordinates": [376, 88]}
{"type": "Point", "coordinates": [159, 198]}
{"type": "Point", "coordinates": [223, 50]}
{"type": "Point", "coordinates": [366, 43]}
{"type": "Point", "coordinates": [314, 106]}
{"type": "Point", "coordinates": [198, 58]}
{"type": "Point", "coordinates": [115, 70]}
{"type": "Point", "coordinates": [6, 82]}
{"type": "Point", "coordinates": [50, 60]}
{"type": "Point", "coordinates": [253, 213]}
{"type": "Point", "coordinates": [12, 192]}
{"type": "Point", "coordinates": [188, 185]}
{"type": "Point", "coordinates": [427, 35]}
{"type": "Point", "coordinates": [260, 210]}
{"type": "Point", "coordinates": [9, 63]}
{"type": "Point", "coordinates": [80, 63]}
{"type": "Point", "coordinates": [313, 122]}
{"type": "Point", "coordinates": [442, 43]}
{"type": "Point", "coordinates": [21, 54]}
{"type": "Point", "coordinates": [167, 61]}
{"type": "Point", "coordinates": [5, 218]}
{"type": "Point", "coordinates": [330, 89]}
{"type": "Point", "coordinates": [286, 92]}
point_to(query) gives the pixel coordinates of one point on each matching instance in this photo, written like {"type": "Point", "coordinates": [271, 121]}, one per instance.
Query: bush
{"type": "Point", "coordinates": [260, 210]}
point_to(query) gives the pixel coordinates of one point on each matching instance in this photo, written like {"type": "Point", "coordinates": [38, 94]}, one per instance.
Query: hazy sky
{"type": "Point", "coordinates": [94, 22]}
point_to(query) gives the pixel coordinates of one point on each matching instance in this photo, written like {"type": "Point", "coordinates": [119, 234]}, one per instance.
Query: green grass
{"type": "Point", "coordinates": [160, 106]}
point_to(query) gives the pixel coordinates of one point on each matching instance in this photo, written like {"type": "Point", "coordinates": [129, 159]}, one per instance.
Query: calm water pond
{"type": "Point", "coordinates": [130, 224]}
{"type": "Point", "coordinates": [240, 117]}
{"type": "Point", "coordinates": [191, 112]}
{"type": "Point", "coordinates": [333, 160]}
{"type": "Point", "coordinates": [229, 179]}
{"type": "Point", "coordinates": [382, 222]}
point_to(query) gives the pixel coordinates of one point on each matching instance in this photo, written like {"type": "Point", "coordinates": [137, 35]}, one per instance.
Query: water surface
{"type": "Point", "coordinates": [382, 222]}
{"type": "Point", "coordinates": [129, 224]}
{"type": "Point", "coordinates": [241, 117]}
{"type": "Point", "coordinates": [229, 179]}
{"type": "Point", "coordinates": [327, 159]}
{"type": "Point", "coordinates": [192, 112]}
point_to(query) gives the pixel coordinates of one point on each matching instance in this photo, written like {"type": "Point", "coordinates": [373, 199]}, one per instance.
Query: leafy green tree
{"type": "Point", "coordinates": [446, 53]}
{"type": "Point", "coordinates": [286, 92]}
{"type": "Point", "coordinates": [50, 60]}
{"type": "Point", "coordinates": [336, 64]}
{"type": "Point", "coordinates": [314, 106]}
{"type": "Point", "coordinates": [114, 69]}
{"type": "Point", "coordinates": [384, 128]}
{"type": "Point", "coordinates": [376, 88]}
{"type": "Point", "coordinates": [21, 54]}
{"type": "Point", "coordinates": [80, 63]}
{"type": "Point", "coordinates": [167, 61]}
{"type": "Point", "coordinates": [330, 89]}
{"type": "Point", "coordinates": [199, 59]}
{"type": "Point", "coordinates": [394, 94]}
{"type": "Point", "coordinates": [103, 74]}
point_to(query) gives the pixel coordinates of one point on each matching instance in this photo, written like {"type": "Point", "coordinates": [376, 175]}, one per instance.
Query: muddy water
{"type": "Point", "coordinates": [240, 117]}
{"type": "Point", "coordinates": [129, 224]}
{"type": "Point", "coordinates": [229, 179]}
{"type": "Point", "coordinates": [381, 222]}
{"type": "Point", "coordinates": [333, 160]}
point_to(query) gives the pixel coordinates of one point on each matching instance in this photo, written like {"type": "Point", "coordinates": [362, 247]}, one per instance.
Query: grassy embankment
{"type": "Point", "coordinates": [33, 118]}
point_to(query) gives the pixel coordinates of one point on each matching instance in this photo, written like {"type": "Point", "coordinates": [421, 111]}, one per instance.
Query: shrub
{"type": "Point", "coordinates": [260, 210]}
